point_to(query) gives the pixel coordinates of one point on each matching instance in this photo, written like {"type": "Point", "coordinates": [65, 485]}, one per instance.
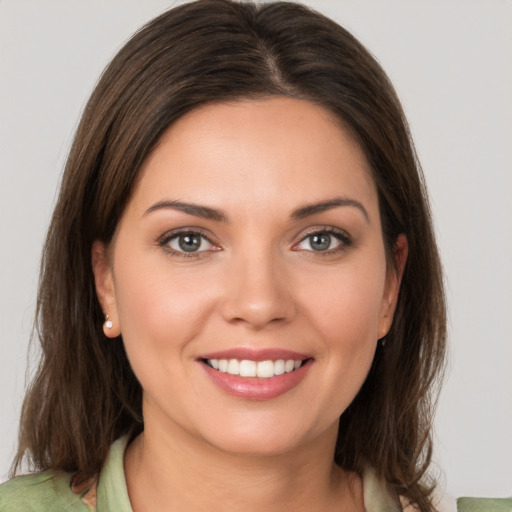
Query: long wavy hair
{"type": "Point", "coordinates": [84, 394]}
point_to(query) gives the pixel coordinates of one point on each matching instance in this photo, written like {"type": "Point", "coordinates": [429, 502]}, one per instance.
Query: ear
{"type": "Point", "coordinates": [392, 287]}
{"type": "Point", "coordinates": [105, 288]}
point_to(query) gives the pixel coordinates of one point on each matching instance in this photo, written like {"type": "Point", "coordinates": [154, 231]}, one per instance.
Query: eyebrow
{"type": "Point", "coordinates": [323, 206]}
{"type": "Point", "coordinates": [214, 214]}
{"type": "Point", "coordinates": [192, 209]}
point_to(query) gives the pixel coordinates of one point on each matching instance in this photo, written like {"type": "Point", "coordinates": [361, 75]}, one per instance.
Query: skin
{"type": "Point", "coordinates": [256, 282]}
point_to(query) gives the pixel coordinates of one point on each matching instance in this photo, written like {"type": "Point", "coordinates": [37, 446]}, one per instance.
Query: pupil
{"type": "Point", "coordinates": [320, 242]}
{"type": "Point", "coordinates": [189, 243]}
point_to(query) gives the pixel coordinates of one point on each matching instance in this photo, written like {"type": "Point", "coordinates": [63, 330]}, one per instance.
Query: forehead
{"type": "Point", "coordinates": [275, 149]}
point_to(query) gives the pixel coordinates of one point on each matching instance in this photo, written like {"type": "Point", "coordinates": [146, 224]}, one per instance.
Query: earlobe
{"type": "Point", "coordinates": [105, 288]}
{"type": "Point", "coordinates": [393, 281]}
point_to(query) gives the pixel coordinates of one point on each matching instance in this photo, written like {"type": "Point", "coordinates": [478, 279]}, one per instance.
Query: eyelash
{"type": "Point", "coordinates": [341, 236]}
{"type": "Point", "coordinates": [345, 242]}
{"type": "Point", "coordinates": [165, 239]}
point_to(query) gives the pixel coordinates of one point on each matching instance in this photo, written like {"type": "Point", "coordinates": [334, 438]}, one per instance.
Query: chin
{"type": "Point", "coordinates": [267, 436]}
{"type": "Point", "coordinates": [256, 446]}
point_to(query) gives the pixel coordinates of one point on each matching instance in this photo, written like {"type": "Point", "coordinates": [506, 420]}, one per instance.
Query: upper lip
{"type": "Point", "coordinates": [253, 354]}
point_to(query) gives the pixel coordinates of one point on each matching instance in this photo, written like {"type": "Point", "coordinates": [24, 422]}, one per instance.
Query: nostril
{"type": "Point", "coordinates": [255, 294]}
{"type": "Point", "coordinates": [256, 315]}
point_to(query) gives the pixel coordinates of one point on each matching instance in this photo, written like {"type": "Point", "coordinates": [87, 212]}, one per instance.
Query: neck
{"type": "Point", "coordinates": [169, 469]}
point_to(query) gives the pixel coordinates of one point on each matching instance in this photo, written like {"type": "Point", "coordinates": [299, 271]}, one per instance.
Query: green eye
{"type": "Point", "coordinates": [325, 241]}
{"type": "Point", "coordinates": [190, 242]}
{"type": "Point", "coordinates": [320, 241]}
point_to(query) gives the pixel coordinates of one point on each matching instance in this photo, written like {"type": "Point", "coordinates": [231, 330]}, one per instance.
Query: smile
{"type": "Point", "coordinates": [261, 369]}
{"type": "Point", "coordinates": [256, 374]}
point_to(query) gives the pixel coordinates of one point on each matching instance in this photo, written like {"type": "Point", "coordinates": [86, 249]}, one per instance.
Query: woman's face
{"type": "Point", "coordinates": [252, 246]}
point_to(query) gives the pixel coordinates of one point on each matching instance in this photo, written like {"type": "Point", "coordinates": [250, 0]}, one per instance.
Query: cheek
{"type": "Point", "coordinates": [160, 312]}
{"type": "Point", "coordinates": [345, 304]}
{"type": "Point", "coordinates": [345, 313]}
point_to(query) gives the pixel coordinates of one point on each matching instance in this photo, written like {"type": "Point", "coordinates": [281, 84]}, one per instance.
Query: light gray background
{"type": "Point", "coordinates": [451, 62]}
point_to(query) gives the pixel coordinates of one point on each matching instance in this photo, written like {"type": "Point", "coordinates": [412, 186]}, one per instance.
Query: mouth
{"type": "Point", "coordinates": [249, 368]}
{"type": "Point", "coordinates": [256, 375]}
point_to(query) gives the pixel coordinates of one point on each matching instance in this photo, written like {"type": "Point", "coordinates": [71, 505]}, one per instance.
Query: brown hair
{"type": "Point", "coordinates": [85, 394]}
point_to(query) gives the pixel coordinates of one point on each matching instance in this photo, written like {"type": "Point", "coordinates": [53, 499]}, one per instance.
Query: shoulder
{"type": "Point", "coordinates": [41, 492]}
{"type": "Point", "coordinates": [378, 499]}
{"type": "Point", "coordinates": [484, 504]}
{"type": "Point", "coordinates": [57, 491]}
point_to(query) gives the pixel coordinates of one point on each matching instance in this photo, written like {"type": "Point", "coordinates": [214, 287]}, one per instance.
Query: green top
{"type": "Point", "coordinates": [53, 491]}
{"type": "Point", "coordinates": [484, 504]}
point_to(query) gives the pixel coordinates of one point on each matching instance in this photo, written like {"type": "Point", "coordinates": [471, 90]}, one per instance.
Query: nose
{"type": "Point", "coordinates": [257, 293]}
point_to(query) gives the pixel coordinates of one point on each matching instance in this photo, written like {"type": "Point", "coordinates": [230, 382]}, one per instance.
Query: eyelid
{"type": "Point", "coordinates": [164, 239]}
{"type": "Point", "coordinates": [344, 238]}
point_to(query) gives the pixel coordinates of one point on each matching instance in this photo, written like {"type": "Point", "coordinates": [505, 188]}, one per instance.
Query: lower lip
{"type": "Point", "coordinates": [254, 388]}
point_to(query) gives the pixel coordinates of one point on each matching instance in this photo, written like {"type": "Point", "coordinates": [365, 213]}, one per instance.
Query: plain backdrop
{"type": "Point", "coordinates": [451, 63]}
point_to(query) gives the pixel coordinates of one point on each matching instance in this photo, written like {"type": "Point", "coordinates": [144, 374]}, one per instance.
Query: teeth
{"type": "Point", "coordinates": [279, 367]}
{"type": "Point", "coordinates": [248, 368]}
{"type": "Point", "coordinates": [265, 369]}
{"type": "Point", "coordinates": [234, 367]}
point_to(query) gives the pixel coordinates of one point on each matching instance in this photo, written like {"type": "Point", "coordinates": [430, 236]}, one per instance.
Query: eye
{"type": "Point", "coordinates": [187, 243]}
{"type": "Point", "coordinates": [324, 241]}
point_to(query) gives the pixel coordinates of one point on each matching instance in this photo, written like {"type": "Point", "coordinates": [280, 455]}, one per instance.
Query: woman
{"type": "Point", "coordinates": [241, 300]}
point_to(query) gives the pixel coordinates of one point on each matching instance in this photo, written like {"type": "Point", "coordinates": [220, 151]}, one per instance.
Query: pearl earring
{"type": "Point", "coordinates": [382, 338]}
{"type": "Point", "coordinates": [108, 323]}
